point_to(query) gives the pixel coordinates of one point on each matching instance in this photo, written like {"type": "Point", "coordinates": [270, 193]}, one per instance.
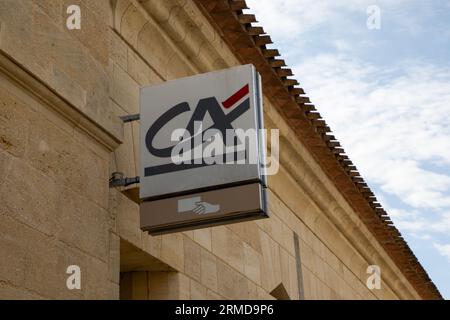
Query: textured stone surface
{"type": "Point", "coordinates": [192, 259]}
{"type": "Point", "coordinates": [208, 270]}
{"type": "Point", "coordinates": [172, 250]}
{"type": "Point", "coordinates": [229, 247]}
{"type": "Point", "coordinates": [57, 210]}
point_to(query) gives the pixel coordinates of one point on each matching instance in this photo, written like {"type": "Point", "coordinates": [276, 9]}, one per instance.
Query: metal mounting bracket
{"type": "Point", "coordinates": [118, 180]}
{"type": "Point", "coordinates": [130, 117]}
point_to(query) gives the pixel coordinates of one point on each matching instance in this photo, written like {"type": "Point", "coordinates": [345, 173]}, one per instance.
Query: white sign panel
{"type": "Point", "coordinates": [201, 132]}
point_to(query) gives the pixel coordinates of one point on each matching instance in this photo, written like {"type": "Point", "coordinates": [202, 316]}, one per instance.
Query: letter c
{"type": "Point", "coordinates": [158, 124]}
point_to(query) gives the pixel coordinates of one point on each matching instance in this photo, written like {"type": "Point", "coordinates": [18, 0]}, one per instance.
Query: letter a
{"type": "Point", "coordinates": [374, 17]}
{"type": "Point", "coordinates": [374, 280]}
{"type": "Point", "coordinates": [74, 20]}
{"type": "Point", "coordinates": [74, 280]}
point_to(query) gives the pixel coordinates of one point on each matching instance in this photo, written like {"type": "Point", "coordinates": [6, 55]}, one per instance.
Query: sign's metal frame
{"type": "Point", "coordinates": [157, 212]}
{"type": "Point", "coordinates": [254, 196]}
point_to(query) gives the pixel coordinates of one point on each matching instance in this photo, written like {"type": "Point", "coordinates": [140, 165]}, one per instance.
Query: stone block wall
{"type": "Point", "coordinates": [55, 205]}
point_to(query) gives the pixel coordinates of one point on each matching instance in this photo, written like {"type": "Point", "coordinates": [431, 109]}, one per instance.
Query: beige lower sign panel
{"type": "Point", "coordinates": [203, 209]}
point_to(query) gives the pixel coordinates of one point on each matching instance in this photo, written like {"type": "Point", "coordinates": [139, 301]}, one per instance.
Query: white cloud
{"type": "Point", "coordinates": [444, 249]}
{"type": "Point", "coordinates": [394, 124]}
{"type": "Point", "coordinates": [292, 18]}
{"type": "Point", "coordinates": [419, 224]}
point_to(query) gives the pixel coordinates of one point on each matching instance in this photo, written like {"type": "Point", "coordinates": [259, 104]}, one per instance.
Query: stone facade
{"type": "Point", "coordinates": [61, 92]}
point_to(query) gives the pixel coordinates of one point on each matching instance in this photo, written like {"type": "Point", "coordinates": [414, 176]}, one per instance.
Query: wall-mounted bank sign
{"type": "Point", "coordinates": [202, 151]}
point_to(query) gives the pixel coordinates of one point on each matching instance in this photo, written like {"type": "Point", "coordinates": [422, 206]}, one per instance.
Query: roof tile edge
{"type": "Point", "coordinates": [250, 43]}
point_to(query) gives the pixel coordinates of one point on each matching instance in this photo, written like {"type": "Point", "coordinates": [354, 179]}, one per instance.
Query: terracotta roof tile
{"type": "Point", "coordinates": [249, 43]}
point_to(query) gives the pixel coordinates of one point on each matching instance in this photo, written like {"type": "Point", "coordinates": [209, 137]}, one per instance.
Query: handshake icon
{"type": "Point", "coordinates": [197, 206]}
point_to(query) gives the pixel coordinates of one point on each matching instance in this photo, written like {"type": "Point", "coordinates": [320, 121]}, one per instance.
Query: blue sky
{"type": "Point", "coordinates": [386, 95]}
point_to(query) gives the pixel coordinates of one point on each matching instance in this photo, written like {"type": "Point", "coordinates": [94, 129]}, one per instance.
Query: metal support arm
{"type": "Point", "coordinates": [118, 180]}
{"type": "Point", "coordinates": [130, 118]}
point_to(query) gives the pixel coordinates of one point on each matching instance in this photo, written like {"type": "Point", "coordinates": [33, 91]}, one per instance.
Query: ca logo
{"type": "Point", "coordinates": [208, 106]}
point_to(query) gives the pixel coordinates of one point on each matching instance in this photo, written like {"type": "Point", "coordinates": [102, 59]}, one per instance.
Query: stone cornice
{"type": "Point", "coordinates": [249, 43]}
{"type": "Point", "coordinates": [110, 138]}
{"type": "Point", "coordinates": [233, 41]}
{"type": "Point", "coordinates": [335, 209]}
